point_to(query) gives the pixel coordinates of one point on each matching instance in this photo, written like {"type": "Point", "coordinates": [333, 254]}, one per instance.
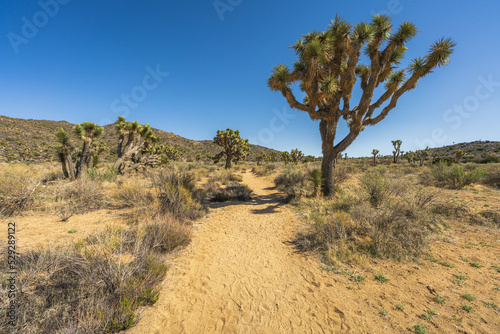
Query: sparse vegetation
{"type": "Point", "coordinates": [91, 287]}
{"type": "Point", "coordinates": [455, 177]}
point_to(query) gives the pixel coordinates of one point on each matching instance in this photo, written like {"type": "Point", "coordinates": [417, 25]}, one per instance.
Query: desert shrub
{"type": "Point", "coordinates": [178, 194]}
{"type": "Point", "coordinates": [341, 174]}
{"type": "Point", "coordinates": [334, 239]}
{"type": "Point", "coordinates": [96, 286]}
{"type": "Point", "coordinates": [379, 186]}
{"type": "Point", "coordinates": [291, 181]}
{"type": "Point", "coordinates": [235, 178]}
{"type": "Point", "coordinates": [132, 194]}
{"type": "Point", "coordinates": [18, 188]}
{"type": "Point", "coordinates": [395, 230]}
{"type": "Point", "coordinates": [492, 177]}
{"type": "Point", "coordinates": [80, 196]}
{"type": "Point", "coordinates": [487, 158]}
{"type": "Point", "coordinates": [167, 234]}
{"type": "Point", "coordinates": [389, 219]}
{"type": "Point", "coordinates": [455, 177]}
{"type": "Point", "coordinates": [232, 192]}
{"type": "Point", "coordinates": [443, 160]}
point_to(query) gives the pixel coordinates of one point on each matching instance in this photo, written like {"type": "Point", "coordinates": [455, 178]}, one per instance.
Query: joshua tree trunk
{"type": "Point", "coordinates": [229, 157]}
{"type": "Point", "coordinates": [71, 166]}
{"type": "Point", "coordinates": [330, 152]}
{"type": "Point", "coordinates": [62, 159]}
{"type": "Point", "coordinates": [374, 160]}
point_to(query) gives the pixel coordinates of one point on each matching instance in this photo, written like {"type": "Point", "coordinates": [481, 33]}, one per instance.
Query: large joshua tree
{"type": "Point", "coordinates": [234, 148]}
{"type": "Point", "coordinates": [327, 70]}
{"type": "Point", "coordinates": [134, 140]}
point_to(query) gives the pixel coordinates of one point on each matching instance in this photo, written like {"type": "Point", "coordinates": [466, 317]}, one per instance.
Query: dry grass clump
{"type": "Point", "coordinates": [133, 193]}
{"type": "Point", "coordinates": [19, 185]}
{"type": "Point", "coordinates": [492, 177]}
{"type": "Point", "coordinates": [95, 286]}
{"type": "Point", "coordinates": [385, 217]}
{"type": "Point", "coordinates": [292, 181]}
{"type": "Point", "coordinates": [178, 194]}
{"type": "Point", "coordinates": [77, 197]}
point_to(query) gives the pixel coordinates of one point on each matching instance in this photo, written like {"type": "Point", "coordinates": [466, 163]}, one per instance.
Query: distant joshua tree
{"type": "Point", "coordinates": [296, 155]}
{"type": "Point", "coordinates": [422, 155]}
{"type": "Point", "coordinates": [375, 152]}
{"type": "Point", "coordinates": [410, 156]}
{"type": "Point", "coordinates": [397, 149]}
{"type": "Point", "coordinates": [261, 157]}
{"type": "Point", "coordinates": [326, 69]}
{"type": "Point", "coordinates": [234, 148]}
{"type": "Point", "coordinates": [273, 156]}
{"type": "Point", "coordinates": [459, 155]}
{"type": "Point", "coordinates": [285, 156]}
{"type": "Point", "coordinates": [198, 156]}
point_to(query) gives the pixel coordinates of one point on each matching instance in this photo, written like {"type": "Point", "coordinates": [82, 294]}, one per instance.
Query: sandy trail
{"type": "Point", "coordinates": [240, 276]}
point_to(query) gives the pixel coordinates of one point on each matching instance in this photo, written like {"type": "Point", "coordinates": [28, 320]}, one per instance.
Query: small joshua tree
{"type": "Point", "coordinates": [198, 156]}
{"type": "Point", "coordinates": [164, 153]}
{"type": "Point", "coordinates": [234, 148]}
{"type": "Point", "coordinates": [296, 155]}
{"type": "Point", "coordinates": [317, 180]}
{"type": "Point", "coordinates": [285, 156]}
{"type": "Point", "coordinates": [375, 152]}
{"type": "Point", "coordinates": [326, 69]}
{"type": "Point", "coordinates": [422, 155]}
{"type": "Point", "coordinates": [397, 149]}
{"type": "Point", "coordinates": [459, 155]}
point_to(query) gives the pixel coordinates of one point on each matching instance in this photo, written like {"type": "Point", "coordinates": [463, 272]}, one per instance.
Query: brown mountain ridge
{"type": "Point", "coordinates": [35, 140]}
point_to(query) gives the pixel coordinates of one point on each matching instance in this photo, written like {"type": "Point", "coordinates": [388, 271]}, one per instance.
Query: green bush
{"type": "Point", "coordinates": [456, 177]}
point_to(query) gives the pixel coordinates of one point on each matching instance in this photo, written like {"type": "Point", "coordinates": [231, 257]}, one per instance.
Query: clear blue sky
{"type": "Point", "coordinates": [91, 60]}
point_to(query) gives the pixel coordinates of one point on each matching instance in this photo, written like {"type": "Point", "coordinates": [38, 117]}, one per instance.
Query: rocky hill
{"type": "Point", "coordinates": [34, 140]}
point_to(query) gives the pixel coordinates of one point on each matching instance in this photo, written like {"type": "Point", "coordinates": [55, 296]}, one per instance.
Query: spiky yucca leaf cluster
{"type": "Point", "coordinates": [329, 61]}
